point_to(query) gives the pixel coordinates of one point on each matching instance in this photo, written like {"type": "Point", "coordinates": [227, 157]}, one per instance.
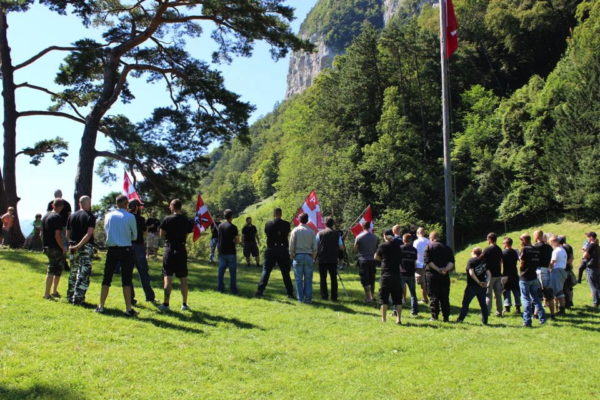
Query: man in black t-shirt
{"type": "Point", "coordinates": [152, 238]}
{"type": "Point", "coordinates": [329, 244]}
{"type": "Point", "coordinates": [408, 267]}
{"type": "Point", "coordinates": [492, 257]}
{"type": "Point", "coordinates": [592, 258]}
{"type": "Point", "coordinates": [250, 241]}
{"type": "Point", "coordinates": [175, 229]}
{"type": "Point", "coordinates": [569, 282]}
{"type": "Point", "coordinates": [478, 278]}
{"type": "Point", "coordinates": [139, 252]}
{"type": "Point", "coordinates": [214, 238]}
{"type": "Point", "coordinates": [52, 238]}
{"type": "Point", "coordinates": [64, 213]}
{"type": "Point", "coordinates": [510, 276]}
{"type": "Point", "coordinates": [276, 253]}
{"type": "Point", "coordinates": [228, 238]}
{"type": "Point", "coordinates": [439, 262]}
{"type": "Point", "coordinates": [80, 233]}
{"type": "Point", "coordinates": [390, 255]}
{"type": "Point", "coordinates": [528, 282]}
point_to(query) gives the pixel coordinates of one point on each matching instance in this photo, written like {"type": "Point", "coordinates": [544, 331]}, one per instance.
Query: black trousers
{"type": "Point", "coordinates": [115, 256]}
{"type": "Point", "coordinates": [366, 271]}
{"type": "Point", "coordinates": [331, 269]}
{"type": "Point", "coordinates": [276, 256]}
{"type": "Point", "coordinates": [438, 290]}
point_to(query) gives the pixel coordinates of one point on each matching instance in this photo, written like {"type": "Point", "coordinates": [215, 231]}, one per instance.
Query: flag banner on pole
{"type": "Point", "coordinates": [203, 220]}
{"type": "Point", "coordinates": [129, 190]}
{"type": "Point", "coordinates": [367, 216]}
{"type": "Point", "coordinates": [313, 209]}
{"type": "Point", "coordinates": [451, 30]}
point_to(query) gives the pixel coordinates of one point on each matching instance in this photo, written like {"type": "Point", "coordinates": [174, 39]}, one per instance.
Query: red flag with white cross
{"type": "Point", "coordinates": [311, 207]}
{"type": "Point", "coordinates": [203, 220]}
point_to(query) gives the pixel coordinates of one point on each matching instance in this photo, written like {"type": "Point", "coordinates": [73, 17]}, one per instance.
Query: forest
{"type": "Point", "coordinates": [525, 124]}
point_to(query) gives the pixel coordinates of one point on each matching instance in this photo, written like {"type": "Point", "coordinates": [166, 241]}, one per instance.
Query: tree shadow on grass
{"type": "Point", "coordinates": [39, 391]}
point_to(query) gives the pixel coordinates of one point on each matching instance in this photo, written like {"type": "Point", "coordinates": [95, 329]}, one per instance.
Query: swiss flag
{"type": "Point", "coordinates": [366, 217]}
{"type": "Point", "coordinates": [313, 209]}
{"type": "Point", "coordinates": [129, 190]}
{"type": "Point", "coordinates": [451, 30]}
{"type": "Point", "coordinates": [203, 220]}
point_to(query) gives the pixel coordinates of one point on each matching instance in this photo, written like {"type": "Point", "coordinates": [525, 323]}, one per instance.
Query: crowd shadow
{"type": "Point", "coordinates": [39, 391]}
{"type": "Point", "coordinates": [115, 313]}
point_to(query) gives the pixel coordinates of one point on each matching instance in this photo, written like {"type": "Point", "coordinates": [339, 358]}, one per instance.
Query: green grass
{"type": "Point", "coordinates": [237, 347]}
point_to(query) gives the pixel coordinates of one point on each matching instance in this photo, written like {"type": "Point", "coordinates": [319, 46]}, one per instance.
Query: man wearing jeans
{"type": "Point", "coordinates": [139, 252]}
{"type": "Point", "coordinates": [592, 258]}
{"type": "Point", "coordinates": [303, 251]}
{"type": "Point", "coordinates": [407, 268]}
{"type": "Point", "coordinates": [528, 282]}
{"type": "Point", "coordinates": [121, 230]}
{"type": "Point", "coordinates": [228, 238]}
{"type": "Point", "coordinates": [492, 257]}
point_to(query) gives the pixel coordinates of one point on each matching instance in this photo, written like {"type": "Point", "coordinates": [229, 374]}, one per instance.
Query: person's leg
{"type": "Point", "coordinates": [49, 279]}
{"type": "Point", "coordinates": [142, 267]}
{"type": "Point", "coordinates": [323, 280]}
{"type": "Point", "coordinates": [285, 266]}
{"type": "Point", "coordinates": [184, 290]}
{"type": "Point", "coordinates": [526, 301]}
{"type": "Point", "coordinates": [517, 295]}
{"type": "Point", "coordinates": [384, 294]}
{"type": "Point", "coordinates": [256, 254]}
{"type": "Point", "coordinates": [127, 275]}
{"type": "Point", "coordinates": [109, 269]}
{"type": "Point", "coordinates": [372, 273]}
{"type": "Point", "coordinates": [298, 276]}
{"type": "Point", "coordinates": [364, 280]}
{"type": "Point", "coordinates": [213, 246]}
{"type": "Point", "coordinates": [593, 281]}
{"type": "Point", "coordinates": [396, 295]}
{"type": "Point", "coordinates": [506, 292]}
{"type": "Point", "coordinates": [445, 297]}
{"type": "Point", "coordinates": [535, 291]}
{"type": "Point", "coordinates": [266, 271]}
{"type": "Point", "coordinates": [481, 296]}
{"type": "Point", "coordinates": [414, 303]}
{"type": "Point", "coordinates": [384, 309]}
{"type": "Point", "coordinates": [433, 292]}
{"type": "Point", "coordinates": [168, 287]}
{"type": "Point", "coordinates": [75, 270]}
{"type": "Point", "coordinates": [489, 293]}
{"type": "Point", "coordinates": [308, 278]}
{"type": "Point", "coordinates": [466, 301]}
{"type": "Point", "coordinates": [221, 273]}
{"type": "Point", "coordinates": [498, 295]}
{"type": "Point", "coordinates": [233, 274]}
{"type": "Point", "coordinates": [334, 283]}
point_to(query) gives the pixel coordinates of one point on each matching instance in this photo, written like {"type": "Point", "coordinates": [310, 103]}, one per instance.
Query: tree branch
{"type": "Point", "coordinates": [43, 53]}
{"type": "Point", "coordinates": [42, 89]}
{"type": "Point", "coordinates": [50, 113]}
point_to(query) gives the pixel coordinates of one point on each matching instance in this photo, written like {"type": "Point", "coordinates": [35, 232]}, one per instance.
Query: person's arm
{"type": "Point", "coordinates": [434, 267]}
{"type": "Point", "coordinates": [314, 247]}
{"type": "Point", "coordinates": [377, 255]}
{"type": "Point", "coordinates": [488, 278]}
{"type": "Point", "coordinates": [292, 246]}
{"type": "Point", "coordinates": [552, 261]}
{"type": "Point", "coordinates": [449, 267]}
{"type": "Point", "coordinates": [58, 238]}
{"type": "Point", "coordinates": [68, 235]}
{"type": "Point", "coordinates": [356, 244]}
{"type": "Point", "coordinates": [341, 243]}
{"type": "Point", "coordinates": [133, 228]}
{"type": "Point", "coordinates": [88, 235]}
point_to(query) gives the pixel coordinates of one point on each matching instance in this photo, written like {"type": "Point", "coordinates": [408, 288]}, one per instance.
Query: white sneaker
{"type": "Point", "coordinates": [99, 310]}
{"type": "Point", "coordinates": [185, 307]}
{"type": "Point", "coordinates": [163, 307]}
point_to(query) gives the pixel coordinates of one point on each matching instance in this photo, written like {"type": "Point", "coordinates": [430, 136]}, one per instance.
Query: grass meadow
{"type": "Point", "coordinates": [239, 347]}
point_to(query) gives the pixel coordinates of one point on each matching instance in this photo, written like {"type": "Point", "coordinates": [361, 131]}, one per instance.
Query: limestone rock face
{"type": "Point", "coordinates": [304, 67]}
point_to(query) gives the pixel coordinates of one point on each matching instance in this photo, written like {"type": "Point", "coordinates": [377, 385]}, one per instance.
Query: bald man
{"type": "Point", "coordinates": [80, 233]}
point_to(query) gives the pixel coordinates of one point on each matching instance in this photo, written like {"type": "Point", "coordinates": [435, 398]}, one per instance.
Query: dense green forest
{"type": "Point", "coordinates": [525, 87]}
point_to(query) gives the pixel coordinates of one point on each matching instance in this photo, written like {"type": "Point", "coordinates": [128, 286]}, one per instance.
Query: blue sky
{"type": "Point", "coordinates": [259, 80]}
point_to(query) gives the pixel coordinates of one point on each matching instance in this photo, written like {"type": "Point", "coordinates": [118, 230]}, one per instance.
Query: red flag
{"type": "Point", "coordinates": [451, 30]}
{"type": "Point", "coordinates": [203, 219]}
{"type": "Point", "coordinates": [313, 209]}
{"type": "Point", "coordinates": [129, 190]}
{"type": "Point", "coordinates": [366, 217]}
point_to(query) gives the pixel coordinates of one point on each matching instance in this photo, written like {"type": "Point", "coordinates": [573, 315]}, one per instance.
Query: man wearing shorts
{"type": "Point", "coordinates": [250, 242]}
{"type": "Point", "coordinates": [558, 272]}
{"type": "Point", "coordinates": [366, 245]}
{"type": "Point", "coordinates": [53, 247]}
{"type": "Point", "coordinates": [175, 229]}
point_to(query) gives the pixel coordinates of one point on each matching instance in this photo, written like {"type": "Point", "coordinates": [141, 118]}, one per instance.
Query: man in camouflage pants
{"type": "Point", "coordinates": [80, 231]}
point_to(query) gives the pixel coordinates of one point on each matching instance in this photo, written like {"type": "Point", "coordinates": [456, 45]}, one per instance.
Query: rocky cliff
{"type": "Point", "coordinates": [331, 26]}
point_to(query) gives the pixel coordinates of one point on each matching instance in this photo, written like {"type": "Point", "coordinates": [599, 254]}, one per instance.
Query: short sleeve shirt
{"type": "Point", "coordinates": [367, 245]}
{"type": "Point", "coordinates": [492, 256]}
{"type": "Point", "coordinates": [479, 268]}
{"type": "Point", "coordinates": [277, 232]}
{"type": "Point", "coordinates": [176, 227]}
{"type": "Point", "coordinates": [79, 223]}
{"type": "Point", "coordinates": [530, 256]}
{"type": "Point", "coordinates": [50, 224]}
{"type": "Point", "coordinates": [545, 253]}
{"type": "Point", "coordinates": [64, 213]}
{"type": "Point", "coordinates": [249, 232]}
{"type": "Point", "coordinates": [227, 234]}
{"type": "Point", "coordinates": [510, 258]}
{"type": "Point", "coordinates": [439, 254]}
{"type": "Point", "coordinates": [391, 256]}
{"type": "Point", "coordinates": [409, 259]}
{"type": "Point", "coordinates": [140, 223]}
{"type": "Point", "coordinates": [153, 224]}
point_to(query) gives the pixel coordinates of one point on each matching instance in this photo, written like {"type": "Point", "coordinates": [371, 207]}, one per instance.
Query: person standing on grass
{"type": "Point", "coordinates": [8, 222]}
{"type": "Point", "coordinates": [214, 238]}
{"type": "Point", "coordinates": [528, 281]}
{"type": "Point", "coordinates": [277, 232]}
{"type": "Point", "coordinates": [478, 279]}
{"type": "Point", "coordinates": [139, 253]}
{"type": "Point", "coordinates": [121, 230]}
{"type": "Point", "coordinates": [152, 238]}
{"type": "Point", "coordinates": [492, 257]}
{"type": "Point", "coordinates": [592, 259]}
{"type": "Point", "coordinates": [544, 270]}
{"type": "Point", "coordinates": [439, 262]}
{"type": "Point", "coordinates": [558, 272]}
{"type": "Point", "coordinates": [175, 228]}
{"type": "Point", "coordinates": [64, 214]}
{"type": "Point", "coordinates": [365, 245]}
{"type": "Point", "coordinates": [53, 247]}
{"type": "Point", "coordinates": [250, 241]}
{"type": "Point", "coordinates": [420, 244]}
{"type": "Point", "coordinates": [390, 255]}
{"type": "Point", "coordinates": [228, 238]}
{"type": "Point", "coordinates": [329, 244]}
{"type": "Point", "coordinates": [569, 283]}
{"type": "Point", "coordinates": [303, 252]}
{"type": "Point", "coordinates": [80, 233]}
{"type": "Point", "coordinates": [407, 268]}
{"type": "Point", "coordinates": [510, 276]}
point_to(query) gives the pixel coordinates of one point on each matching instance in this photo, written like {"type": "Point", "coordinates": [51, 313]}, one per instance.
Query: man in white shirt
{"type": "Point", "coordinates": [303, 251]}
{"type": "Point", "coordinates": [558, 272]}
{"type": "Point", "coordinates": [420, 244]}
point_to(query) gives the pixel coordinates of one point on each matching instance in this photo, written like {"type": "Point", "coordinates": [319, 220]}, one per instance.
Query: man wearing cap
{"type": "Point", "coordinates": [139, 252]}
{"type": "Point", "coordinates": [80, 233]}
{"type": "Point", "coordinates": [121, 230]}
{"type": "Point", "coordinates": [592, 258]}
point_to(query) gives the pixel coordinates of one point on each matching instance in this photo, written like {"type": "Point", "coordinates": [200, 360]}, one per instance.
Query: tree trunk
{"type": "Point", "coordinates": [10, 130]}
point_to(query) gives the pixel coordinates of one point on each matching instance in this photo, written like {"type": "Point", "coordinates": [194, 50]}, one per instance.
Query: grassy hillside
{"type": "Point", "coordinates": [237, 347]}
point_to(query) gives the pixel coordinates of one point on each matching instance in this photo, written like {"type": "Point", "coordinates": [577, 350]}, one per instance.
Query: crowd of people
{"type": "Point", "coordinates": [538, 276]}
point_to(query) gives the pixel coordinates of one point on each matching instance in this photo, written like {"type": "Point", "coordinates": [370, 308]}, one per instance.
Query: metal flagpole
{"type": "Point", "coordinates": [445, 127]}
